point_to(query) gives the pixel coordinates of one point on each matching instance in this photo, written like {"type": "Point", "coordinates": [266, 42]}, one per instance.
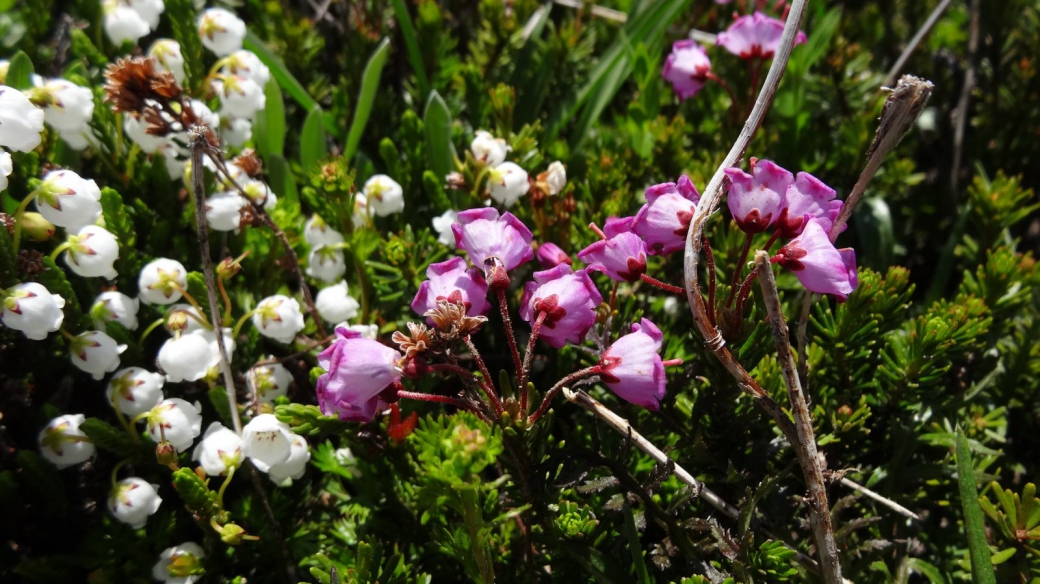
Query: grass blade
{"type": "Point", "coordinates": [437, 124]}
{"type": "Point", "coordinates": [269, 128]}
{"type": "Point", "coordinates": [312, 140]}
{"type": "Point", "coordinates": [981, 568]}
{"type": "Point", "coordinates": [366, 97]}
{"type": "Point", "coordinates": [411, 42]}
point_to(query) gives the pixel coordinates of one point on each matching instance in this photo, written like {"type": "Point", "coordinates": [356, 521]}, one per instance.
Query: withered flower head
{"type": "Point", "coordinates": [249, 162]}
{"type": "Point", "coordinates": [29, 262]}
{"type": "Point", "coordinates": [450, 319]}
{"type": "Point", "coordinates": [415, 343]}
{"type": "Point", "coordinates": [165, 85]}
{"type": "Point", "coordinates": [128, 83]}
{"type": "Point", "coordinates": [7, 221]}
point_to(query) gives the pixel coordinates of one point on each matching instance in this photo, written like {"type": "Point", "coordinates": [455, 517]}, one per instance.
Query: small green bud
{"type": "Point", "coordinates": [36, 227]}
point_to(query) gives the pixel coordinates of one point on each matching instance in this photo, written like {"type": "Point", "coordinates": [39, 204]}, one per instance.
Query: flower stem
{"type": "Point", "coordinates": [122, 419]}
{"type": "Point", "coordinates": [745, 291]}
{"type": "Point", "coordinates": [19, 217]}
{"type": "Point", "coordinates": [440, 399]}
{"type": "Point", "coordinates": [659, 284]}
{"type": "Point", "coordinates": [510, 336]}
{"type": "Point", "coordinates": [224, 486]}
{"type": "Point", "coordinates": [148, 331]}
{"type": "Point", "coordinates": [241, 322]}
{"type": "Point", "coordinates": [525, 372]}
{"type": "Point", "coordinates": [226, 298]}
{"type": "Point", "coordinates": [57, 251]}
{"type": "Point", "coordinates": [486, 384]}
{"type": "Point", "coordinates": [733, 108]}
{"type": "Point", "coordinates": [115, 470]}
{"type": "Point", "coordinates": [194, 304]}
{"type": "Point", "coordinates": [736, 270]}
{"type": "Point", "coordinates": [547, 400]}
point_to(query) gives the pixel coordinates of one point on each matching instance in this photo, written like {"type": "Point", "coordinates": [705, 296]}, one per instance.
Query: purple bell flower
{"type": "Point", "coordinates": [357, 370]}
{"type": "Point", "coordinates": [665, 218]}
{"type": "Point", "coordinates": [453, 281]}
{"type": "Point", "coordinates": [569, 300]}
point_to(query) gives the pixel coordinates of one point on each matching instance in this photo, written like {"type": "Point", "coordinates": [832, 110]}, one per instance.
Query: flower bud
{"type": "Point", "coordinates": [96, 353]}
{"type": "Point", "coordinates": [67, 200]}
{"type": "Point", "coordinates": [29, 307]}
{"type": "Point", "coordinates": [232, 534]}
{"type": "Point", "coordinates": [21, 120]}
{"type": "Point", "coordinates": [278, 317]}
{"type": "Point", "coordinates": [161, 281]}
{"type": "Point", "coordinates": [183, 317]}
{"type": "Point", "coordinates": [176, 421]}
{"type": "Point", "coordinates": [487, 149]}
{"type": "Point", "coordinates": [63, 443]}
{"type": "Point", "coordinates": [230, 267]}
{"type": "Point", "coordinates": [554, 179]}
{"type": "Point", "coordinates": [221, 31]}
{"type": "Point", "coordinates": [132, 500]}
{"type": "Point", "coordinates": [36, 227]}
{"type": "Point", "coordinates": [166, 454]}
{"type": "Point", "coordinates": [93, 251]}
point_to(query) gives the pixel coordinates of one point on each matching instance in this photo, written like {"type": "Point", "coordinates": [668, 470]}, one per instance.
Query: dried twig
{"type": "Point", "coordinates": [880, 499]}
{"type": "Point", "coordinates": [922, 32]}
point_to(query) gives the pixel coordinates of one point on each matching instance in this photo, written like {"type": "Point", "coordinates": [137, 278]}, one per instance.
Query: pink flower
{"type": "Point", "coordinates": [357, 370]}
{"type": "Point", "coordinates": [754, 36]}
{"type": "Point", "coordinates": [808, 198]}
{"type": "Point", "coordinates": [665, 218]}
{"type": "Point", "coordinates": [622, 257]}
{"type": "Point", "coordinates": [616, 225]}
{"type": "Point", "coordinates": [755, 199]}
{"type": "Point", "coordinates": [452, 281]}
{"type": "Point", "coordinates": [550, 255]}
{"type": "Point", "coordinates": [819, 266]}
{"type": "Point", "coordinates": [488, 237]}
{"type": "Point", "coordinates": [632, 367]}
{"type": "Point", "coordinates": [569, 300]}
{"type": "Point", "coordinates": [686, 68]}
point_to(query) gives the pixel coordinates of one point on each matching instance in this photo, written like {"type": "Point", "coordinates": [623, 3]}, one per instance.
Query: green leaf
{"type": "Point", "coordinates": [925, 569]}
{"type": "Point", "coordinates": [54, 279]}
{"type": "Point", "coordinates": [437, 124]}
{"type": "Point", "coordinates": [1002, 556]}
{"type": "Point", "coordinates": [411, 42]}
{"type": "Point", "coordinates": [312, 140]}
{"type": "Point", "coordinates": [632, 535]}
{"type": "Point", "coordinates": [20, 71]}
{"type": "Point", "coordinates": [181, 14]}
{"type": "Point", "coordinates": [366, 97]}
{"type": "Point", "coordinates": [285, 79]}
{"type": "Point", "coordinates": [107, 437]}
{"type": "Point", "coordinates": [198, 498]}
{"type": "Point", "coordinates": [219, 398]}
{"type": "Point", "coordinates": [981, 566]}
{"type": "Point", "coordinates": [119, 223]}
{"type": "Point", "coordinates": [269, 129]}
{"type": "Point", "coordinates": [434, 188]}
{"type": "Point", "coordinates": [877, 241]}
{"type": "Point", "coordinates": [281, 178]}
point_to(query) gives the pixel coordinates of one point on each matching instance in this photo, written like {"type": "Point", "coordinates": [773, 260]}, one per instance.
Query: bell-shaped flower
{"type": "Point", "coordinates": [260, 194]}
{"type": "Point", "coordinates": [335, 304]}
{"type": "Point", "coordinates": [556, 178]}
{"type": "Point", "coordinates": [176, 421]}
{"type": "Point", "coordinates": [161, 281]}
{"type": "Point", "coordinates": [754, 36]}
{"type": "Point", "coordinates": [632, 366]}
{"type": "Point", "coordinates": [621, 257]}
{"type": "Point", "coordinates": [488, 237]}
{"type": "Point", "coordinates": [221, 31]}
{"type": "Point", "coordinates": [687, 68]}
{"type": "Point", "coordinates": [92, 252]}
{"type": "Point", "coordinates": [182, 317]}
{"type": "Point", "coordinates": [149, 11]}
{"type": "Point", "coordinates": [819, 266]}
{"type": "Point", "coordinates": [807, 198]}
{"type": "Point", "coordinates": [224, 210]}
{"type": "Point", "coordinates": [29, 307]}
{"type": "Point", "coordinates": [506, 183]}
{"type": "Point", "coordinates": [7, 167]}
{"type": "Point", "coordinates": [180, 564]}
{"type": "Point", "coordinates": [135, 390]}
{"type": "Point", "coordinates": [755, 199]}
{"type": "Point", "coordinates": [240, 97]}
{"type": "Point", "coordinates": [185, 357]}
{"type": "Point", "coordinates": [665, 218]}
{"type": "Point", "coordinates": [122, 23]}
{"type": "Point", "coordinates": [267, 441]}
{"type": "Point", "coordinates": [219, 450]}
{"type": "Point", "coordinates": [567, 298]}
{"type": "Point", "coordinates": [317, 232]}
{"type": "Point", "coordinates": [384, 195]}
{"type": "Point", "coordinates": [132, 500]}
{"type": "Point", "coordinates": [269, 381]}
{"type": "Point", "coordinates": [550, 255]}
{"type": "Point", "coordinates": [442, 225]}
{"type": "Point", "coordinates": [247, 64]}
{"type": "Point", "coordinates": [236, 132]}
{"type": "Point", "coordinates": [22, 122]}
{"type": "Point", "coordinates": [326, 263]}
{"type": "Point", "coordinates": [63, 443]}
{"type": "Point", "coordinates": [113, 306]}
{"type": "Point", "coordinates": [168, 57]}
{"type": "Point", "coordinates": [135, 128]}
{"type": "Point", "coordinates": [454, 281]}
{"type": "Point", "coordinates": [214, 351]}
{"type": "Point", "coordinates": [278, 317]}
{"type": "Point", "coordinates": [67, 107]}
{"type": "Point", "coordinates": [294, 466]}
{"type": "Point", "coordinates": [356, 371]}
{"type": "Point", "coordinates": [96, 353]}
{"type": "Point", "coordinates": [68, 200]}
{"type": "Point", "coordinates": [487, 149]}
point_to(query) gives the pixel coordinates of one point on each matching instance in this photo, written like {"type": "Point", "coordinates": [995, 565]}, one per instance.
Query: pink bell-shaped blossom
{"type": "Point", "coordinates": [755, 199]}
{"type": "Point", "coordinates": [622, 257]}
{"type": "Point", "coordinates": [495, 243]}
{"type": "Point", "coordinates": [550, 255]}
{"type": "Point", "coordinates": [665, 218]}
{"type": "Point", "coordinates": [454, 282]}
{"type": "Point", "coordinates": [616, 225]}
{"type": "Point", "coordinates": [632, 366]}
{"type": "Point", "coordinates": [568, 299]}
{"type": "Point", "coordinates": [807, 198]}
{"type": "Point", "coordinates": [754, 36]}
{"type": "Point", "coordinates": [687, 68]}
{"type": "Point", "coordinates": [819, 266]}
{"type": "Point", "coordinates": [356, 371]}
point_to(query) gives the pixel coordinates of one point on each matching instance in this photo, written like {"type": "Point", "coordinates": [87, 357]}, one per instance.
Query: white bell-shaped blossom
{"type": "Point", "coordinates": [92, 253]}
{"type": "Point", "coordinates": [113, 306]}
{"type": "Point", "coordinates": [29, 307]}
{"type": "Point", "coordinates": [556, 178]}
{"type": "Point", "coordinates": [361, 211]}
{"type": "Point", "coordinates": [185, 357]}
{"type": "Point", "coordinates": [21, 122]}
{"type": "Point", "coordinates": [294, 466]}
{"type": "Point", "coordinates": [67, 107]}
{"type": "Point", "coordinates": [149, 11]}
{"type": "Point", "coordinates": [334, 304]}
{"type": "Point", "coordinates": [317, 232]}
{"type": "Point", "coordinates": [278, 317]}
{"type": "Point", "coordinates": [266, 441]}
{"type": "Point", "coordinates": [326, 263]}
{"type": "Point", "coordinates": [247, 64]}
{"type": "Point", "coordinates": [235, 132]}
{"type": "Point", "coordinates": [224, 210]}
{"type": "Point", "coordinates": [240, 97]}
{"type": "Point", "coordinates": [442, 225]}
{"type": "Point", "coordinates": [488, 149]}
{"type": "Point", "coordinates": [132, 500]}
{"type": "Point", "coordinates": [269, 381]}
{"type": "Point", "coordinates": [384, 195]}
{"type": "Point", "coordinates": [63, 443]}
{"type": "Point", "coordinates": [221, 31]}
{"type": "Point", "coordinates": [260, 194]}
{"type": "Point", "coordinates": [68, 200]}
{"type": "Point", "coordinates": [161, 281]}
{"type": "Point", "coordinates": [367, 331]}
{"type": "Point", "coordinates": [184, 318]}
{"type": "Point", "coordinates": [180, 564]}
{"type": "Point", "coordinates": [135, 390]}
{"type": "Point", "coordinates": [506, 183]}
{"type": "Point", "coordinates": [219, 450]}
{"type": "Point", "coordinates": [134, 128]}
{"type": "Point", "coordinates": [6, 168]}
{"type": "Point", "coordinates": [96, 353]}
{"type": "Point", "coordinates": [214, 350]}
{"type": "Point", "coordinates": [176, 420]}
{"type": "Point", "coordinates": [168, 57]}
{"type": "Point", "coordinates": [122, 23]}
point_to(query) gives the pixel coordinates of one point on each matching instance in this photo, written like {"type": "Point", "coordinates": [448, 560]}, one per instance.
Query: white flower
{"type": "Point", "coordinates": [122, 23]}
{"type": "Point", "coordinates": [240, 97]}
{"type": "Point", "coordinates": [506, 183]}
{"type": "Point", "coordinates": [92, 252]}
{"type": "Point", "coordinates": [326, 263]}
{"type": "Point", "coordinates": [183, 317]}
{"type": "Point", "coordinates": [96, 353]}
{"type": "Point", "coordinates": [6, 168]}
{"type": "Point", "coordinates": [211, 338]}
{"type": "Point", "coordinates": [176, 420]}
{"type": "Point", "coordinates": [77, 139]}
{"type": "Point", "coordinates": [224, 210]}
{"type": "Point", "coordinates": [115, 306]}
{"type": "Point", "coordinates": [135, 130]}
{"type": "Point", "coordinates": [21, 122]}
{"type": "Point", "coordinates": [267, 441]}
{"type": "Point", "coordinates": [556, 178]}
{"type": "Point", "coordinates": [134, 390]}
{"type": "Point", "coordinates": [219, 450]}
{"type": "Point", "coordinates": [149, 11]}
{"type": "Point", "coordinates": [334, 304]}
{"type": "Point", "coordinates": [268, 382]}
{"type": "Point", "coordinates": [247, 64]}
{"type": "Point", "coordinates": [278, 317]}
{"type": "Point", "coordinates": [68, 200]}
{"type": "Point", "coordinates": [294, 466]}
{"type": "Point", "coordinates": [346, 458]}
{"type": "Point", "coordinates": [236, 132]}
{"type": "Point", "coordinates": [488, 149]}
{"type": "Point", "coordinates": [63, 443]}
{"type": "Point", "coordinates": [161, 280]}
{"type": "Point", "coordinates": [361, 214]}
{"type": "Point", "coordinates": [317, 232]}
{"type": "Point", "coordinates": [179, 564]}
{"type": "Point", "coordinates": [259, 193]}
{"type": "Point", "coordinates": [442, 225]}
{"type": "Point", "coordinates": [168, 57]}
{"type": "Point", "coordinates": [384, 195]}
{"type": "Point", "coordinates": [132, 500]}
{"type": "Point", "coordinates": [185, 357]}
{"type": "Point", "coordinates": [29, 307]}
{"type": "Point", "coordinates": [221, 31]}
{"type": "Point", "coordinates": [367, 331]}
{"type": "Point", "coordinates": [66, 106]}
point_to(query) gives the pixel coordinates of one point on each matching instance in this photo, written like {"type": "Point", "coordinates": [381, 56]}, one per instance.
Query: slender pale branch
{"type": "Point", "coordinates": [922, 32]}
{"type": "Point", "coordinates": [562, 384]}
{"type": "Point", "coordinates": [880, 499]}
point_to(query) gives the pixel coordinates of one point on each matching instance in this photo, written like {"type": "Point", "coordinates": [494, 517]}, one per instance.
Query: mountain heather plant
{"type": "Point", "coordinates": [458, 280]}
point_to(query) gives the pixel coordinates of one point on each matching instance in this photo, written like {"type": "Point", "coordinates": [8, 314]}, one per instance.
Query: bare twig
{"type": "Point", "coordinates": [965, 99]}
{"type": "Point", "coordinates": [922, 32]}
{"type": "Point", "coordinates": [880, 499]}
{"type": "Point", "coordinates": [805, 447]}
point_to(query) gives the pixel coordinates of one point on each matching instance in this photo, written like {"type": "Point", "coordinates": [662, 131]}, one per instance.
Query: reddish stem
{"type": "Point", "coordinates": [547, 400]}
{"type": "Point", "coordinates": [736, 270]}
{"type": "Point", "coordinates": [504, 308]}
{"type": "Point", "coordinates": [772, 239]}
{"type": "Point", "coordinates": [526, 371]}
{"type": "Point", "coordinates": [745, 291]}
{"type": "Point", "coordinates": [485, 385]}
{"type": "Point", "coordinates": [440, 399]}
{"type": "Point", "coordinates": [659, 284]}
{"type": "Point", "coordinates": [711, 278]}
{"type": "Point", "coordinates": [734, 105]}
